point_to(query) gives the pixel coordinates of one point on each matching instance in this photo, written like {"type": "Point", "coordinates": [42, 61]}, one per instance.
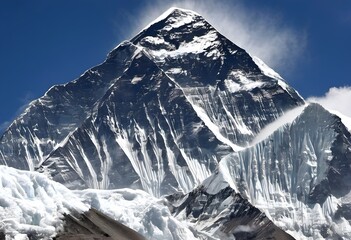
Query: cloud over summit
{"type": "Point", "coordinates": [337, 98]}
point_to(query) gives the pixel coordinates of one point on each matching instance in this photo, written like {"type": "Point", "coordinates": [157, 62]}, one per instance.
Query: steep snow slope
{"type": "Point", "coordinates": [237, 93]}
{"type": "Point", "coordinates": [145, 134]}
{"type": "Point", "coordinates": [48, 120]}
{"type": "Point", "coordinates": [167, 120]}
{"type": "Point", "coordinates": [299, 175]}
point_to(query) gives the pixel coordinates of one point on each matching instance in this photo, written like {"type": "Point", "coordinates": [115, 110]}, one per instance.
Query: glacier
{"type": "Point", "coordinates": [31, 204]}
{"type": "Point", "coordinates": [33, 207]}
{"type": "Point", "coordinates": [179, 134]}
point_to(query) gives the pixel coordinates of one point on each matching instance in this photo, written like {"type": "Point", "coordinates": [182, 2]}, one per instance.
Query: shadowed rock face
{"type": "Point", "coordinates": [226, 214]}
{"type": "Point", "coordinates": [48, 120]}
{"type": "Point", "coordinates": [94, 225]}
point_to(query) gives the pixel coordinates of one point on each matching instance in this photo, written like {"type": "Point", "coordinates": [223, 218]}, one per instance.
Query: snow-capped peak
{"type": "Point", "coordinates": [179, 32]}
{"type": "Point", "coordinates": [177, 16]}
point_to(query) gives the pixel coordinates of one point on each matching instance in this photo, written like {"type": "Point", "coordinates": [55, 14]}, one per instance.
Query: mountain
{"type": "Point", "coordinates": [298, 175]}
{"type": "Point", "coordinates": [183, 122]}
{"type": "Point", "coordinates": [184, 114]}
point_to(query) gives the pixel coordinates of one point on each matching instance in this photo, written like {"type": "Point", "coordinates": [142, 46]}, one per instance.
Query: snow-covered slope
{"type": "Point", "coordinates": [169, 118]}
{"type": "Point", "coordinates": [33, 207]}
{"type": "Point", "coordinates": [31, 204]}
{"type": "Point", "coordinates": [221, 80]}
{"type": "Point", "coordinates": [145, 134]}
{"type": "Point", "coordinates": [299, 175]}
{"type": "Point", "coordinates": [48, 120]}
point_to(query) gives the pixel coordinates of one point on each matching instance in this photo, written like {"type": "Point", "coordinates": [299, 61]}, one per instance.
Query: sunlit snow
{"type": "Point", "coordinates": [196, 46]}
{"type": "Point", "coordinates": [30, 203]}
{"type": "Point", "coordinates": [266, 69]}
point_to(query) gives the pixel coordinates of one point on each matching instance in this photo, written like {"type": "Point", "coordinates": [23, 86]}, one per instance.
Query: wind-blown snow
{"type": "Point", "coordinates": [282, 169]}
{"type": "Point", "coordinates": [272, 165]}
{"type": "Point", "coordinates": [287, 117]}
{"type": "Point", "coordinates": [337, 98]}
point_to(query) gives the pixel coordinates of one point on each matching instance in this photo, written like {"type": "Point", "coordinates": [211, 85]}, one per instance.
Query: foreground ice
{"type": "Point", "coordinates": [30, 203]}
{"type": "Point", "coordinates": [32, 206]}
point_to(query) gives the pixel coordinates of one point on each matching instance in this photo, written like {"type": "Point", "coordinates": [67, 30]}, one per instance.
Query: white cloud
{"type": "Point", "coordinates": [260, 32]}
{"type": "Point", "coordinates": [337, 98]}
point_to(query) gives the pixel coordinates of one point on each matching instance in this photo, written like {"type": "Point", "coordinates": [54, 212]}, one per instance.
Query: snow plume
{"type": "Point", "coordinates": [286, 118]}
{"type": "Point", "coordinates": [337, 98]}
{"type": "Point", "coordinates": [262, 33]}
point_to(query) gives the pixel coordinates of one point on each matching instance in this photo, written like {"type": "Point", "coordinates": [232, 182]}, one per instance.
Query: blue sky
{"type": "Point", "coordinates": [44, 42]}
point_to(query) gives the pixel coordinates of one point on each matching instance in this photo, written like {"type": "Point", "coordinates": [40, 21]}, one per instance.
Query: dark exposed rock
{"type": "Point", "coordinates": [94, 225]}
{"type": "Point", "coordinates": [227, 213]}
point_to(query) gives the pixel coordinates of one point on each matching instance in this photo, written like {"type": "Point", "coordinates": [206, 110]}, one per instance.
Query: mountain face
{"type": "Point", "coordinates": [48, 120]}
{"type": "Point", "coordinates": [181, 111]}
{"type": "Point", "coordinates": [298, 175]}
{"type": "Point", "coordinates": [168, 116]}
{"type": "Point", "coordinates": [224, 213]}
